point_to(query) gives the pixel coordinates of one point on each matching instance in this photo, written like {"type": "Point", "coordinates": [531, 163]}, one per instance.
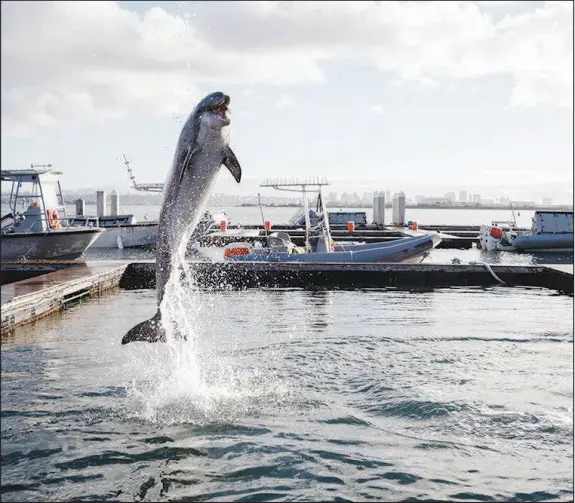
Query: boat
{"type": "Point", "coordinates": [320, 247]}
{"type": "Point", "coordinates": [121, 231]}
{"type": "Point", "coordinates": [37, 227]}
{"type": "Point", "coordinates": [124, 231]}
{"type": "Point", "coordinates": [280, 249]}
{"type": "Point", "coordinates": [551, 231]}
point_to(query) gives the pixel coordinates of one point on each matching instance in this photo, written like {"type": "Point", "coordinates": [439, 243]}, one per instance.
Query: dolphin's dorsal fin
{"type": "Point", "coordinates": [231, 162]}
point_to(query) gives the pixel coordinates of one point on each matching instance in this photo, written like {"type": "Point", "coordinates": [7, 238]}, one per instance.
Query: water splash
{"type": "Point", "coordinates": [181, 382]}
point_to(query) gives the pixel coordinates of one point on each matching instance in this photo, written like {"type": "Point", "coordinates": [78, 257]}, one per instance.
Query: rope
{"type": "Point", "coordinates": [490, 270]}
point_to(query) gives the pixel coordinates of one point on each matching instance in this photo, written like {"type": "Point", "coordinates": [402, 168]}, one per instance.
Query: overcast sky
{"type": "Point", "coordinates": [421, 96]}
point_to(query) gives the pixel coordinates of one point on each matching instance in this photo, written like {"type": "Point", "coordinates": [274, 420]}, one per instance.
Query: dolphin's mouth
{"type": "Point", "coordinates": [221, 109]}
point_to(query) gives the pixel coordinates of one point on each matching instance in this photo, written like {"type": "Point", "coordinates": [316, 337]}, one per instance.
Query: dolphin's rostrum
{"type": "Point", "coordinates": [202, 148]}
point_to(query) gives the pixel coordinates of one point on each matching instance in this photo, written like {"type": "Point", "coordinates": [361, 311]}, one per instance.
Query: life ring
{"type": "Point", "coordinates": [53, 219]}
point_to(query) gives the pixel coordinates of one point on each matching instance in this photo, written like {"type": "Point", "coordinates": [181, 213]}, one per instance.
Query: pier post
{"type": "Point", "coordinates": [381, 208]}
{"type": "Point", "coordinates": [80, 207]}
{"type": "Point", "coordinates": [100, 203]}
{"type": "Point", "coordinates": [399, 209]}
{"type": "Point", "coordinates": [114, 203]}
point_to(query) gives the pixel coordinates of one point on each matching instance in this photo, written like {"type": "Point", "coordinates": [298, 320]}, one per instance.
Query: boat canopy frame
{"type": "Point", "coordinates": [34, 175]}
{"type": "Point", "coordinates": [306, 186]}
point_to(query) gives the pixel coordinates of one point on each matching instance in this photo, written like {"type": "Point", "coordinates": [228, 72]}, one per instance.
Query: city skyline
{"type": "Point", "coordinates": [424, 97]}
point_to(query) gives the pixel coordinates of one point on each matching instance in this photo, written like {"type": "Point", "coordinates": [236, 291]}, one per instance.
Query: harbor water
{"type": "Point", "coordinates": [281, 215]}
{"type": "Point", "coordinates": [462, 394]}
{"type": "Point", "coordinates": [296, 395]}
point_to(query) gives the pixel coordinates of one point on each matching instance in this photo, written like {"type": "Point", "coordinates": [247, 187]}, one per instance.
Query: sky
{"type": "Point", "coordinates": [424, 97]}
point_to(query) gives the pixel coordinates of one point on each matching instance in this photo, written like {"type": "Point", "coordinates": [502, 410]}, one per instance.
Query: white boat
{"type": "Point", "coordinates": [551, 231]}
{"type": "Point", "coordinates": [37, 227]}
{"type": "Point", "coordinates": [121, 231]}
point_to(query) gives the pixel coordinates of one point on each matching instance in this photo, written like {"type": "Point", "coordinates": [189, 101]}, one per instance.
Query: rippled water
{"type": "Point", "coordinates": [459, 394]}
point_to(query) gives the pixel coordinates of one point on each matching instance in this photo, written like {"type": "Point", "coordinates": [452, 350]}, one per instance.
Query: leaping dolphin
{"type": "Point", "coordinates": [202, 148]}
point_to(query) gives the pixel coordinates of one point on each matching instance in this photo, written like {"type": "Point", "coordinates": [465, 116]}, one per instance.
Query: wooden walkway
{"type": "Point", "coordinates": [28, 300]}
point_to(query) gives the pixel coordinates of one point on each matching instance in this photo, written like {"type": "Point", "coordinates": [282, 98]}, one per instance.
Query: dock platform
{"type": "Point", "coordinates": [25, 301]}
{"type": "Point", "coordinates": [28, 300]}
{"type": "Point", "coordinates": [358, 275]}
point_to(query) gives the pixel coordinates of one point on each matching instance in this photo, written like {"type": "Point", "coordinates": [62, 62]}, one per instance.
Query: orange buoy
{"type": "Point", "coordinates": [350, 226]}
{"type": "Point", "coordinates": [236, 250]}
{"type": "Point", "coordinates": [413, 226]}
{"type": "Point", "coordinates": [267, 226]}
{"type": "Point", "coordinates": [496, 232]}
{"type": "Point", "coordinates": [53, 219]}
{"type": "Point", "coordinates": [223, 225]}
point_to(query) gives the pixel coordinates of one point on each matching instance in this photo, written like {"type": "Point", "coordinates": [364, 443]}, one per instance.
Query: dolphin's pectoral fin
{"type": "Point", "coordinates": [231, 162]}
{"type": "Point", "coordinates": [187, 161]}
{"type": "Point", "coordinates": [147, 331]}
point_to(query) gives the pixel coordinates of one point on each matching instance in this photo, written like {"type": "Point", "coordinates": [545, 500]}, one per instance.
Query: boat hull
{"type": "Point", "coordinates": [406, 250]}
{"type": "Point", "coordinates": [54, 245]}
{"type": "Point", "coordinates": [544, 242]}
{"type": "Point", "coordinates": [131, 236]}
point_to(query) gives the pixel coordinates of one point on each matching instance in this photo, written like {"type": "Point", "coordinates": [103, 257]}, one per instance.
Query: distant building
{"type": "Point", "coordinates": [433, 200]}
{"type": "Point", "coordinates": [504, 201]}
{"type": "Point", "coordinates": [476, 198]}
{"type": "Point", "coordinates": [450, 197]}
{"type": "Point", "coordinates": [462, 196]}
{"type": "Point", "coordinates": [332, 196]}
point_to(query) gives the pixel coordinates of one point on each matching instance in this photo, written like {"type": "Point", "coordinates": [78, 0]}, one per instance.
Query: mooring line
{"type": "Point", "coordinates": [489, 269]}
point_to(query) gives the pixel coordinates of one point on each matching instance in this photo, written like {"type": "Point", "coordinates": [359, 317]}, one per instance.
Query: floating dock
{"type": "Point", "coordinates": [27, 300]}
{"type": "Point", "coordinates": [358, 275]}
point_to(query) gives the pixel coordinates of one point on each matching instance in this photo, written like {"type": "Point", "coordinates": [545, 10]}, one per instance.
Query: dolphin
{"type": "Point", "coordinates": [203, 147]}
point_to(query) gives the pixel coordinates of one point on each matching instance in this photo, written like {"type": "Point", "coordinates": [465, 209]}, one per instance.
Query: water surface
{"type": "Point", "coordinates": [455, 394]}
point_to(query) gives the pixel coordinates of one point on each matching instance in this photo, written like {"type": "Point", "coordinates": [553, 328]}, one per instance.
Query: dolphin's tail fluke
{"type": "Point", "coordinates": [147, 331]}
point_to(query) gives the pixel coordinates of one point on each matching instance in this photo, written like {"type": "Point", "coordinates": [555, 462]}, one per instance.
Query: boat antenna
{"type": "Point", "coordinates": [130, 174]}
{"type": "Point", "coordinates": [262, 213]}
{"type": "Point", "coordinates": [144, 187]}
{"type": "Point", "coordinates": [513, 213]}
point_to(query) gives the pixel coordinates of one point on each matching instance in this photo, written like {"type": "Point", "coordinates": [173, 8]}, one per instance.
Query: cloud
{"type": "Point", "coordinates": [377, 109]}
{"type": "Point", "coordinates": [78, 62]}
{"type": "Point", "coordinates": [285, 101]}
